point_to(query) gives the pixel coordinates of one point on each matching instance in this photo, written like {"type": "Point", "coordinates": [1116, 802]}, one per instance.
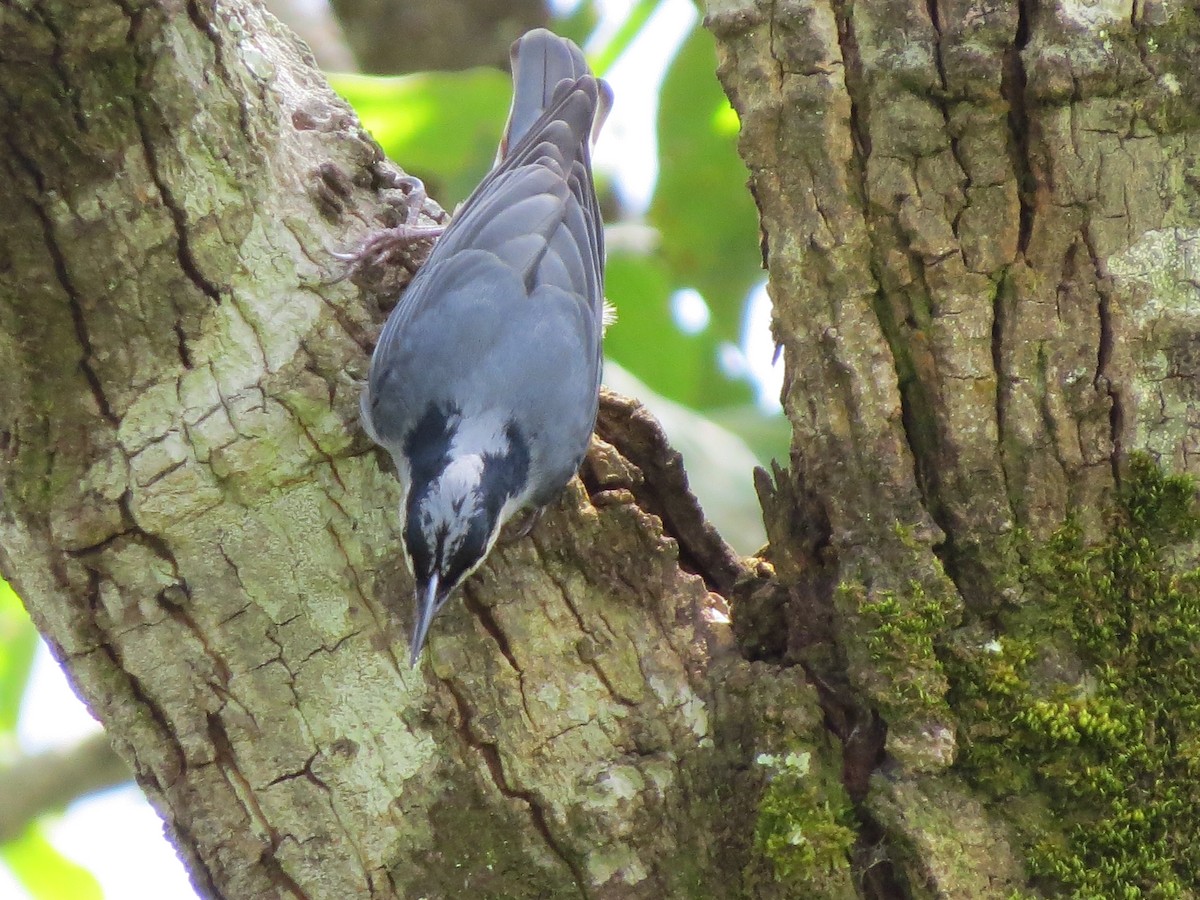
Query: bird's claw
{"type": "Point", "coordinates": [386, 244]}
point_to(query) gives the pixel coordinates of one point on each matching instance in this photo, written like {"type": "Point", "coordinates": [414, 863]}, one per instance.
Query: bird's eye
{"type": "Point", "coordinates": [420, 551]}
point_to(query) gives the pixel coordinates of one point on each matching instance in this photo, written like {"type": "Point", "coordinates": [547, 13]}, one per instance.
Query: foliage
{"type": "Point", "coordinates": [18, 640]}
{"type": "Point", "coordinates": [32, 860]}
{"type": "Point", "coordinates": [46, 873]}
{"type": "Point", "coordinates": [707, 227]}
{"type": "Point", "coordinates": [443, 126]}
{"type": "Point", "coordinates": [1090, 702]}
{"type": "Point", "coordinates": [797, 830]}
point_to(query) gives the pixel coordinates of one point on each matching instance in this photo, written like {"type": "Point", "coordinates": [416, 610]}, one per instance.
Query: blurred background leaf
{"type": "Point", "coordinates": [702, 209]}
{"type": "Point", "coordinates": [442, 126]}
{"type": "Point", "coordinates": [18, 641]}
{"type": "Point", "coordinates": [45, 873]}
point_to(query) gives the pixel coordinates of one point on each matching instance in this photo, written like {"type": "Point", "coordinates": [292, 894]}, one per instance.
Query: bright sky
{"type": "Point", "coordinates": [115, 834]}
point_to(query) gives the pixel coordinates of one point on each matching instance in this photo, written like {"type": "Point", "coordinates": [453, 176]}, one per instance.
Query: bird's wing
{"type": "Point", "coordinates": [540, 60]}
{"type": "Point", "coordinates": [536, 214]}
{"type": "Point", "coordinates": [537, 210]}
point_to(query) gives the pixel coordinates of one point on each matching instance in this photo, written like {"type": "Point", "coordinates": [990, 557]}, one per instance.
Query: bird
{"type": "Point", "coordinates": [484, 383]}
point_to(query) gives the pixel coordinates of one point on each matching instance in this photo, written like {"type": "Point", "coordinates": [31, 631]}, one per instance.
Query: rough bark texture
{"type": "Point", "coordinates": [980, 224]}
{"type": "Point", "coordinates": [207, 540]}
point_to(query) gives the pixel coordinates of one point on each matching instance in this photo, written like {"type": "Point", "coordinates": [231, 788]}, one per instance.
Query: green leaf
{"type": "Point", "coordinates": [645, 339]}
{"type": "Point", "coordinates": [638, 16]}
{"type": "Point", "coordinates": [18, 642]}
{"type": "Point", "coordinates": [443, 127]}
{"type": "Point", "coordinates": [703, 211]}
{"type": "Point", "coordinates": [46, 873]}
{"type": "Point", "coordinates": [702, 207]}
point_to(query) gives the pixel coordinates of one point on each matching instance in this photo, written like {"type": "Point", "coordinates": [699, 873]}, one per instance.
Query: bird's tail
{"type": "Point", "coordinates": [540, 61]}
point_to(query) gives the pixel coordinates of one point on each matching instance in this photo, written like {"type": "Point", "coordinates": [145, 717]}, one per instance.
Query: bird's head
{"type": "Point", "coordinates": [454, 517]}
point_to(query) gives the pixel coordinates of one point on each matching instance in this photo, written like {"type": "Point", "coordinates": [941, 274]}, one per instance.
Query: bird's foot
{"type": "Point", "coordinates": [390, 245]}
{"type": "Point", "coordinates": [524, 524]}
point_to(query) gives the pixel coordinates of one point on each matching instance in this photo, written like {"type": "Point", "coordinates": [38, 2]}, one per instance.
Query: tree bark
{"type": "Point", "coordinates": [207, 540]}
{"type": "Point", "coordinates": [436, 34]}
{"type": "Point", "coordinates": [979, 226]}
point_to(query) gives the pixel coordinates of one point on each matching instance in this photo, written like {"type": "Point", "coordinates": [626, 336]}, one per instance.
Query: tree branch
{"type": "Point", "coordinates": [47, 782]}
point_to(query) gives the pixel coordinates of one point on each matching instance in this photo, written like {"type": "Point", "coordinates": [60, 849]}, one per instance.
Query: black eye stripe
{"type": "Point", "coordinates": [454, 546]}
{"type": "Point", "coordinates": [505, 474]}
{"type": "Point", "coordinates": [427, 446]}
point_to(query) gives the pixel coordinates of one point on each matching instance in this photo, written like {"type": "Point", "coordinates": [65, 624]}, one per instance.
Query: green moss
{"type": "Point", "coordinates": [898, 632]}
{"type": "Point", "coordinates": [803, 836]}
{"type": "Point", "coordinates": [1085, 716]}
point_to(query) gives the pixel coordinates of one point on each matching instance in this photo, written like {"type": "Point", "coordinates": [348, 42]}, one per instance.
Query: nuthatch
{"type": "Point", "coordinates": [485, 381]}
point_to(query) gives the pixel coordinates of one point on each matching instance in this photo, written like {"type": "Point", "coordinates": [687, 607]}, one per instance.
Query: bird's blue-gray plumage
{"type": "Point", "coordinates": [484, 383]}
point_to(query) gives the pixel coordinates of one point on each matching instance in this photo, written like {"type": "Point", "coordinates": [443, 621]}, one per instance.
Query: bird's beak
{"type": "Point", "coordinates": [428, 603]}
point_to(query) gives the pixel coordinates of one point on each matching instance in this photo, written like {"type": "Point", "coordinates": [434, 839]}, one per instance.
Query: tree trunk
{"type": "Point", "coordinates": [208, 541]}
{"type": "Point", "coordinates": [979, 225]}
{"type": "Point", "coordinates": [439, 34]}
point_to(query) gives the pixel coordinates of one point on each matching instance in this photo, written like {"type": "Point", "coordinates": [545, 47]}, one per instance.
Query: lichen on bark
{"type": "Point", "coordinates": [978, 223]}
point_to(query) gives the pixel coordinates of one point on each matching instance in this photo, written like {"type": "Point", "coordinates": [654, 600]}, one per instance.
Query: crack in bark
{"type": "Point", "coordinates": [383, 627]}
{"type": "Point", "coordinates": [153, 542]}
{"type": "Point", "coordinates": [225, 760]}
{"type": "Point", "coordinates": [97, 547]}
{"type": "Point", "coordinates": [941, 100]}
{"type": "Point", "coordinates": [856, 93]}
{"type": "Point", "coordinates": [483, 615]}
{"type": "Point", "coordinates": [1049, 422]}
{"type": "Point", "coordinates": [321, 451]}
{"type": "Point", "coordinates": [258, 341]}
{"type": "Point", "coordinates": [591, 661]}
{"type": "Point", "coordinates": [323, 648]}
{"type": "Point", "coordinates": [491, 757]}
{"type": "Point", "coordinates": [307, 774]}
{"type": "Point", "coordinates": [169, 599]}
{"type": "Point", "coordinates": [181, 347]}
{"type": "Point", "coordinates": [168, 741]}
{"type": "Point", "coordinates": [41, 13]}
{"type": "Point", "coordinates": [1103, 379]}
{"type": "Point", "coordinates": [1013, 84]}
{"type": "Point", "coordinates": [59, 262]}
{"type": "Point", "coordinates": [141, 99]}
{"type": "Point", "coordinates": [209, 29]}
{"type": "Point", "coordinates": [237, 575]}
{"type": "Point", "coordinates": [1003, 387]}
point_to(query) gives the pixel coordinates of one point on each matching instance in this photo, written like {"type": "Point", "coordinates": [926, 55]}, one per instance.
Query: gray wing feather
{"type": "Point", "coordinates": [540, 60]}
{"type": "Point", "coordinates": [535, 216]}
{"type": "Point", "coordinates": [536, 211]}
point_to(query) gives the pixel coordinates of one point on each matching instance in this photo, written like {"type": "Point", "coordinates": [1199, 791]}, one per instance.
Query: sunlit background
{"type": "Point", "coordinates": [692, 340]}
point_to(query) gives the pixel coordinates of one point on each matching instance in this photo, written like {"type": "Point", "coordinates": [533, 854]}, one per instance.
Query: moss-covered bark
{"type": "Point", "coordinates": [203, 534]}
{"type": "Point", "coordinates": [979, 223]}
